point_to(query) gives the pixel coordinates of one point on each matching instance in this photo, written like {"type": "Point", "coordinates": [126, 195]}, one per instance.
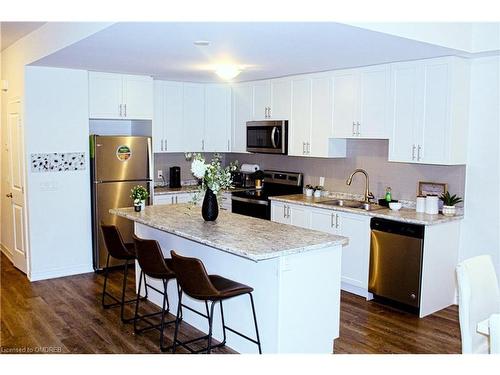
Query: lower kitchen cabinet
{"type": "Point", "coordinates": [173, 198]}
{"type": "Point", "coordinates": [355, 255]}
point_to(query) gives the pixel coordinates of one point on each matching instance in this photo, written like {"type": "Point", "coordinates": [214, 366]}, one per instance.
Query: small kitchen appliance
{"type": "Point", "coordinates": [175, 177]}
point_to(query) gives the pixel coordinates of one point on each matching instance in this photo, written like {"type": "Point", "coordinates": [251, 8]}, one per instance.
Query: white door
{"type": "Point", "coordinates": [434, 140]}
{"type": "Point", "coordinates": [158, 125]}
{"type": "Point", "coordinates": [373, 100]}
{"type": "Point", "coordinates": [261, 99]}
{"type": "Point", "coordinates": [279, 212]}
{"type": "Point", "coordinates": [355, 255]}
{"type": "Point", "coordinates": [300, 123]}
{"type": "Point", "coordinates": [325, 221]}
{"type": "Point", "coordinates": [173, 121]}
{"type": "Point", "coordinates": [281, 99]}
{"type": "Point", "coordinates": [299, 216]}
{"type": "Point", "coordinates": [321, 115]}
{"type": "Point", "coordinates": [345, 91]}
{"type": "Point", "coordinates": [16, 185]}
{"type": "Point", "coordinates": [194, 116]}
{"type": "Point", "coordinates": [242, 112]}
{"type": "Point", "coordinates": [137, 97]}
{"type": "Point", "coordinates": [105, 96]}
{"type": "Point", "coordinates": [404, 107]}
{"type": "Point", "coordinates": [217, 118]}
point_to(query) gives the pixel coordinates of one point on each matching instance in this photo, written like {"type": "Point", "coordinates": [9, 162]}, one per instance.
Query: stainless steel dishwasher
{"type": "Point", "coordinates": [396, 251]}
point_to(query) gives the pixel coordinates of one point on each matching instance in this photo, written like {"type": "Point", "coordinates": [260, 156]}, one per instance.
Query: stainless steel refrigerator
{"type": "Point", "coordinates": [118, 163]}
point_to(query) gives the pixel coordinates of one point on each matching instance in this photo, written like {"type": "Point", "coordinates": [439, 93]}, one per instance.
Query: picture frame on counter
{"type": "Point", "coordinates": [431, 188]}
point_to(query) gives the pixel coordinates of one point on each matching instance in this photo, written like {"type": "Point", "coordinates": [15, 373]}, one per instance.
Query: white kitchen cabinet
{"type": "Point", "coordinates": [261, 99]}
{"type": "Point", "coordinates": [120, 96]}
{"type": "Point", "coordinates": [281, 99]}
{"type": "Point", "coordinates": [242, 108]}
{"type": "Point", "coordinates": [177, 198]}
{"type": "Point", "coordinates": [168, 130]}
{"type": "Point", "coordinates": [226, 203]}
{"type": "Point", "coordinates": [194, 116]}
{"type": "Point", "coordinates": [429, 111]}
{"type": "Point", "coordinates": [310, 128]}
{"type": "Point", "coordinates": [360, 102]}
{"type": "Point", "coordinates": [217, 131]}
{"type": "Point", "coordinates": [355, 255]}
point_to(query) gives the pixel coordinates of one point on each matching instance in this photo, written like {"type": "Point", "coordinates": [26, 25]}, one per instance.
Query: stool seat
{"type": "Point", "coordinates": [227, 288]}
{"type": "Point", "coordinates": [163, 273]}
{"type": "Point", "coordinates": [131, 249]}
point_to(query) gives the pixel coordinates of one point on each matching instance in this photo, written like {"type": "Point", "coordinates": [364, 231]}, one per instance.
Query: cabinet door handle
{"type": "Point", "coordinates": [162, 144]}
{"type": "Point", "coordinates": [172, 199]}
{"type": "Point", "coordinates": [176, 199]}
{"type": "Point", "coordinates": [166, 148]}
{"type": "Point", "coordinates": [358, 133]}
{"type": "Point", "coordinates": [413, 152]}
{"type": "Point", "coordinates": [284, 211]}
{"type": "Point", "coordinates": [353, 128]}
{"type": "Point", "coordinates": [228, 147]}
{"type": "Point", "coordinates": [418, 152]}
{"type": "Point", "coordinates": [269, 112]}
{"type": "Point", "coordinates": [288, 211]}
{"type": "Point", "coordinates": [308, 148]}
{"type": "Point", "coordinates": [331, 220]}
{"type": "Point", "coordinates": [303, 148]}
{"type": "Point", "coordinates": [121, 110]}
{"type": "Point", "coordinates": [336, 221]}
{"type": "Point", "coordinates": [203, 145]}
{"type": "Point", "coordinates": [125, 106]}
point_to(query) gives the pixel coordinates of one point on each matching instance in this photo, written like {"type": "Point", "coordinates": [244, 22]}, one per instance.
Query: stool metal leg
{"type": "Point", "coordinates": [210, 325]}
{"type": "Point", "coordinates": [124, 287]}
{"type": "Point", "coordinates": [223, 323]}
{"type": "Point", "coordinates": [138, 298]}
{"type": "Point", "coordinates": [255, 322]}
{"type": "Point", "coordinates": [162, 325]}
{"type": "Point", "coordinates": [177, 320]}
{"type": "Point", "coordinates": [106, 273]}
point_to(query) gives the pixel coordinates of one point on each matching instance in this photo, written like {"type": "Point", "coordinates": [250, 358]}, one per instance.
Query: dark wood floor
{"type": "Point", "coordinates": [65, 315]}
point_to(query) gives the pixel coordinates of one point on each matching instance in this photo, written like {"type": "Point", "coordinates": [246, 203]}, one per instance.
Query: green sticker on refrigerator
{"type": "Point", "coordinates": [123, 153]}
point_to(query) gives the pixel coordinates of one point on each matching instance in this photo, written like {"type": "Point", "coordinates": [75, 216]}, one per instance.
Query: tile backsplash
{"type": "Point", "coordinates": [370, 155]}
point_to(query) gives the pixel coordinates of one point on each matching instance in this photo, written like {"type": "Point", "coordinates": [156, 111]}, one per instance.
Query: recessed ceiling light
{"type": "Point", "coordinates": [201, 43]}
{"type": "Point", "coordinates": [227, 71]}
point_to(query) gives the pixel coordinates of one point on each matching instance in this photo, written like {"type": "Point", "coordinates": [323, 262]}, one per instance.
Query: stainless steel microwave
{"type": "Point", "coordinates": [267, 137]}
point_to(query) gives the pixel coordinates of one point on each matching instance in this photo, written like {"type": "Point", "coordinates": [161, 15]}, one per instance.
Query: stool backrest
{"type": "Point", "coordinates": [150, 257]}
{"type": "Point", "coordinates": [114, 242]}
{"type": "Point", "coordinates": [478, 298]}
{"type": "Point", "coordinates": [192, 277]}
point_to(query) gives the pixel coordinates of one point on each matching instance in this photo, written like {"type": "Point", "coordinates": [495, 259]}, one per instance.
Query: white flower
{"type": "Point", "coordinates": [198, 167]}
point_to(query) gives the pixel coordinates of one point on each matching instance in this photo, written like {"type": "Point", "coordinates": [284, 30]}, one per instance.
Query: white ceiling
{"type": "Point", "coordinates": [165, 50]}
{"type": "Point", "coordinates": [10, 32]}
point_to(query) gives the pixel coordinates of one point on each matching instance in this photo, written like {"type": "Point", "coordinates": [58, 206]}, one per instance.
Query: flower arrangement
{"type": "Point", "coordinates": [212, 175]}
{"type": "Point", "coordinates": [139, 194]}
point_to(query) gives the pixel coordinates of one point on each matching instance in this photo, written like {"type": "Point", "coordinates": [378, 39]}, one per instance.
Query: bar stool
{"type": "Point", "coordinates": [156, 266]}
{"type": "Point", "coordinates": [193, 280]}
{"type": "Point", "coordinates": [121, 251]}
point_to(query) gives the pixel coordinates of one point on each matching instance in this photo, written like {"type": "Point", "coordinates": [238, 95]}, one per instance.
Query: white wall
{"type": "Point", "coordinates": [480, 232]}
{"type": "Point", "coordinates": [59, 217]}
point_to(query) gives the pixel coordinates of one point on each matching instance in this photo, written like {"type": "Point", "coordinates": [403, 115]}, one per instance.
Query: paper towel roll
{"type": "Point", "coordinates": [249, 167]}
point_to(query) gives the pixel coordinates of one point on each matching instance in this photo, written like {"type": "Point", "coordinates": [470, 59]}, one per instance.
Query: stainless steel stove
{"type": "Point", "coordinates": [256, 202]}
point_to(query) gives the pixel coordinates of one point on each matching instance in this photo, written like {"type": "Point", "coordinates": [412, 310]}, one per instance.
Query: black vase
{"type": "Point", "coordinates": [210, 207]}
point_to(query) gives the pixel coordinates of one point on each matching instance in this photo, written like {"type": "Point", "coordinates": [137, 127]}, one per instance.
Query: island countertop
{"type": "Point", "coordinates": [248, 237]}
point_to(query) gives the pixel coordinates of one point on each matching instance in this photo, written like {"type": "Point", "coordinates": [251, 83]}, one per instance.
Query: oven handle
{"type": "Point", "coordinates": [254, 201]}
{"type": "Point", "coordinates": [273, 133]}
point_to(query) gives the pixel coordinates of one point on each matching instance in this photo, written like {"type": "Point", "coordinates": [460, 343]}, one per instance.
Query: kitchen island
{"type": "Point", "coordinates": [295, 274]}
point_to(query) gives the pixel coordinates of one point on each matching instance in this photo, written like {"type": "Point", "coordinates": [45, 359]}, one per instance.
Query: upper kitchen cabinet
{"type": "Point", "coordinates": [281, 99]}
{"type": "Point", "coordinates": [310, 127]}
{"type": "Point", "coordinates": [217, 133]}
{"type": "Point", "coordinates": [261, 100]}
{"type": "Point", "coordinates": [168, 130]}
{"type": "Point", "coordinates": [194, 116]}
{"type": "Point", "coordinates": [119, 96]}
{"type": "Point", "coordinates": [242, 111]}
{"type": "Point", "coordinates": [429, 111]}
{"type": "Point", "coordinates": [360, 102]}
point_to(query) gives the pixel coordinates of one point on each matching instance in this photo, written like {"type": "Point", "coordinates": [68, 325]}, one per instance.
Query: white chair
{"type": "Point", "coordinates": [478, 299]}
{"type": "Point", "coordinates": [495, 334]}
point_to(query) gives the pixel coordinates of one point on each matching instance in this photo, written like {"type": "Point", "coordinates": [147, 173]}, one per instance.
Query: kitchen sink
{"type": "Point", "coordinates": [353, 204]}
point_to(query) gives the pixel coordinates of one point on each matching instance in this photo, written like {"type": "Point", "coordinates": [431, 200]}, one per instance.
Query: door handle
{"type": "Point", "coordinates": [8, 195]}
{"type": "Point", "coordinates": [288, 211]}
{"type": "Point", "coordinates": [353, 128]}
{"type": "Point", "coordinates": [121, 110]}
{"type": "Point", "coordinates": [413, 152]}
{"type": "Point", "coordinates": [203, 145]}
{"type": "Point", "coordinates": [162, 144]}
{"type": "Point", "coordinates": [176, 199]}
{"type": "Point", "coordinates": [418, 152]}
{"type": "Point", "coordinates": [331, 220]}
{"type": "Point", "coordinates": [269, 112]}
{"type": "Point", "coordinates": [336, 221]}
{"type": "Point", "coordinates": [358, 133]}
{"type": "Point", "coordinates": [284, 211]}
{"type": "Point", "coordinates": [228, 146]}
{"type": "Point", "coordinates": [308, 148]}
{"type": "Point", "coordinates": [273, 134]}
{"type": "Point", "coordinates": [125, 110]}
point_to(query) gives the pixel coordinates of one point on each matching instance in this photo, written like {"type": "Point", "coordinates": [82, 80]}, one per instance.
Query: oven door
{"type": "Point", "coordinates": [251, 207]}
{"type": "Point", "coordinates": [269, 137]}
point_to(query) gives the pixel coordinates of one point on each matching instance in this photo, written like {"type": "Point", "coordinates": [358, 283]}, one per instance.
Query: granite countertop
{"type": "Point", "coordinates": [404, 215]}
{"type": "Point", "coordinates": [248, 237]}
{"type": "Point", "coordinates": [165, 190]}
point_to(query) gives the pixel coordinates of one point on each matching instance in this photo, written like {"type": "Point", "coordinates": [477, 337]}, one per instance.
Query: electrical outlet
{"type": "Point", "coordinates": [160, 174]}
{"type": "Point", "coordinates": [321, 181]}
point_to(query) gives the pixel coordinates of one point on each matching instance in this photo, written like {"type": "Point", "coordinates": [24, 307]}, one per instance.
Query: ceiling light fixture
{"type": "Point", "coordinates": [227, 71]}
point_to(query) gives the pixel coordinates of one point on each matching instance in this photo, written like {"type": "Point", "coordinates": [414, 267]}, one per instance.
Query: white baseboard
{"type": "Point", "coordinates": [6, 252]}
{"type": "Point", "coordinates": [356, 290]}
{"type": "Point", "coordinates": [60, 272]}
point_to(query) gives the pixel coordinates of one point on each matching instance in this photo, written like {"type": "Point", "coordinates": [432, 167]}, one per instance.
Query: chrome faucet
{"type": "Point", "coordinates": [368, 194]}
